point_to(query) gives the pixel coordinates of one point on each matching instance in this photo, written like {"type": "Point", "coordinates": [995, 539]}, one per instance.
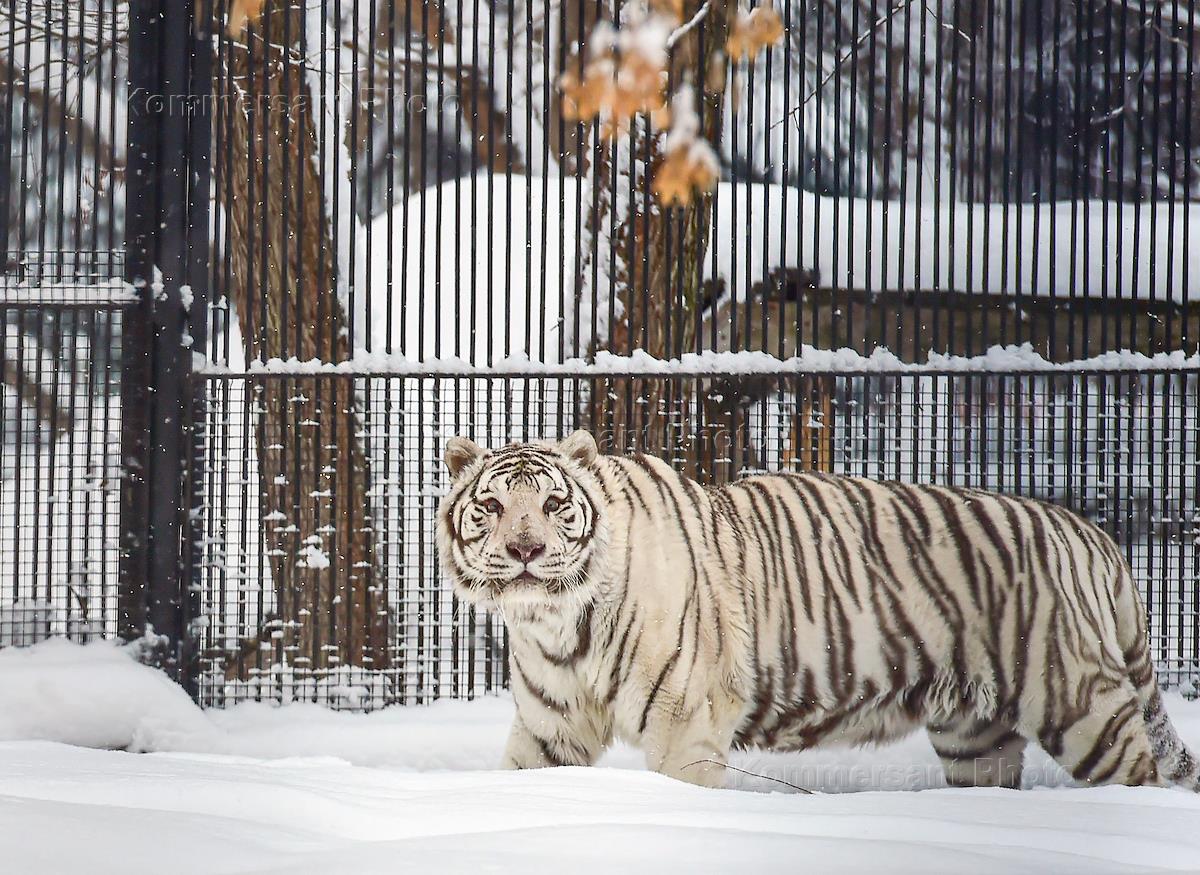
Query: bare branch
{"type": "Point", "coordinates": [77, 128]}
{"type": "Point", "coordinates": [1167, 11]}
{"type": "Point", "coordinates": [849, 53]}
{"type": "Point", "coordinates": [45, 405]}
{"type": "Point", "coordinates": [683, 29]}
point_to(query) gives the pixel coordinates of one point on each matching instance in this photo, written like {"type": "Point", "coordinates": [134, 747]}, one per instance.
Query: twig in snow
{"type": "Point", "coordinates": [752, 775]}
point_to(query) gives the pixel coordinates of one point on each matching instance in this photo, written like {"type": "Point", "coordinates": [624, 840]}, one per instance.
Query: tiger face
{"type": "Point", "coordinates": [522, 525]}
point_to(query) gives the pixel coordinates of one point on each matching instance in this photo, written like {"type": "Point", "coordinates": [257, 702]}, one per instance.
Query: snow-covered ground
{"type": "Point", "coordinates": [302, 789]}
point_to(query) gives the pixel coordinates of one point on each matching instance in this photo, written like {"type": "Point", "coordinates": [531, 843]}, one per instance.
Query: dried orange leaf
{"type": "Point", "coordinates": [752, 31]}
{"type": "Point", "coordinates": [686, 171]}
{"type": "Point", "coordinates": [672, 9]}
{"type": "Point", "coordinates": [766, 26]}
{"type": "Point", "coordinates": [243, 13]}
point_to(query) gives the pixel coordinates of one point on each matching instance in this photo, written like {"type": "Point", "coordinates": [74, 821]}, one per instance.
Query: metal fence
{"type": "Point", "coordinates": [1121, 448]}
{"type": "Point", "coordinates": [61, 323]}
{"type": "Point", "coordinates": [264, 258]}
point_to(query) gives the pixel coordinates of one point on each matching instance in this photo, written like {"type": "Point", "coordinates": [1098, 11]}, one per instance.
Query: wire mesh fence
{"type": "Point", "coordinates": [1121, 448]}
{"type": "Point", "coordinates": [60, 463]}
{"type": "Point", "coordinates": [63, 306]}
{"type": "Point", "coordinates": [62, 121]}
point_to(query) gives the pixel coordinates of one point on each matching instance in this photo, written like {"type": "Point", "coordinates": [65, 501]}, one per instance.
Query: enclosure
{"type": "Point", "coordinates": [264, 258]}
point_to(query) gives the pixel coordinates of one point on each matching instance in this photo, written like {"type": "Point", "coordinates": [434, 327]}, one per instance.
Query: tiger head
{"type": "Point", "coordinates": [523, 526]}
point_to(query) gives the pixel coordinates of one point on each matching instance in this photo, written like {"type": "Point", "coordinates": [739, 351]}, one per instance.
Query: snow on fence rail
{"type": "Point", "coordinates": [1012, 359]}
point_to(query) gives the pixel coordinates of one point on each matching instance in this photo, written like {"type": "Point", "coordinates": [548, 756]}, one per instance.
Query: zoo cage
{"type": "Point", "coordinates": [265, 258]}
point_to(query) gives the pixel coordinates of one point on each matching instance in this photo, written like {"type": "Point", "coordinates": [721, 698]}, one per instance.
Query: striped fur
{"type": "Point", "coordinates": [793, 610]}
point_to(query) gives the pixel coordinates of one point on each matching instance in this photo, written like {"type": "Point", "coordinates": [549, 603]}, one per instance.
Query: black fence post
{"type": "Point", "coordinates": [6, 129]}
{"type": "Point", "coordinates": [167, 257]}
{"type": "Point", "coordinates": [141, 220]}
{"type": "Point", "coordinates": [197, 267]}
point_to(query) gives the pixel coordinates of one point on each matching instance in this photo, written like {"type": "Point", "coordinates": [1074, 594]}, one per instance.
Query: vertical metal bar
{"type": "Point", "coordinates": [140, 221]}
{"type": "Point", "coordinates": [6, 108]}
{"type": "Point", "coordinates": [171, 360]}
{"type": "Point", "coordinates": [199, 179]}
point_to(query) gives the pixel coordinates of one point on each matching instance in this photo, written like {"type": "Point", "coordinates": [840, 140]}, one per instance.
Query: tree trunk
{"type": "Point", "coordinates": [651, 283]}
{"type": "Point", "coordinates": [331, 598]}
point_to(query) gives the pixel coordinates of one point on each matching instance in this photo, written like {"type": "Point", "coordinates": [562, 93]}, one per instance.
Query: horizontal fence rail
{"type": "Point", "coordinates": [1121, 448]}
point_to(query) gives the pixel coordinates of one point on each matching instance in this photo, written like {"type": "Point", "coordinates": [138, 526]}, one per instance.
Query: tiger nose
{"type": "Point", "coordinates": [525, 551]}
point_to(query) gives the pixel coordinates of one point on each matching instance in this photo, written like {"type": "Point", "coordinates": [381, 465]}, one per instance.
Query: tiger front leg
{"type": "Point", "coordinates": [692, 747]}
{"type": "Point", "coordinates": [554, 740]}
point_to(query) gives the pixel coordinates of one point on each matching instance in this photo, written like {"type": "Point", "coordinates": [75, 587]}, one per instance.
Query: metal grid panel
{"type": "Point", "coordinates": [62, 310]}
{"type": "Point", "coordinates": [435, 648]}
{"type": "Point", "coordinates": [63, 66]}
{"type": "Point", "coordinates": [60, 472]}
{"type": "Point", "coordinates": [1123, 449]}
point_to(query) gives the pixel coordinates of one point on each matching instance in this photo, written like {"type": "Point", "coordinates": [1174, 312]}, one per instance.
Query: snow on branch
{"type": "Point", "coordinates": [685, 28]}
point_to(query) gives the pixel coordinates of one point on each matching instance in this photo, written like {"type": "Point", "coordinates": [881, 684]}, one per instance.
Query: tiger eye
{"type": "Point", "coordinates": [552, 504]}
{"type": "Point", "coordinates": [493, 506]}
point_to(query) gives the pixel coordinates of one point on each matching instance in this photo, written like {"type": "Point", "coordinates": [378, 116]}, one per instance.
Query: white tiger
{"type": "Point", "coordinates": [793, 610]}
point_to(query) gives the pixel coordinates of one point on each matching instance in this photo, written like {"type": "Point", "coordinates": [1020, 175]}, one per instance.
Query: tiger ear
{"type": "Point", "coordinates": [579, 446]}
{"type": "Point", "coordinates": [460, 453]}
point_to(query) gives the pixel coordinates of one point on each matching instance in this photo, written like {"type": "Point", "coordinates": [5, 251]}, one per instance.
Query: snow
{"type": "Point", "coordinates": [301, 789]}
{"type": "Point", "coordinates": [221, 814]}
{"type": "Point", "coordinates": [94, 695]}
{"type": "Point", "coordinates": [1064, 249]}
{"type": "Point", "coordinates": [329, 84]}
{"type": "Point", "coordinates": [489, 292]}
{"type": "Point", "coordinates": [113, 290]}
{"type": "Point", "coordinates": [997, 360]}
{"type": "Point", "coordinates": [312, 556]}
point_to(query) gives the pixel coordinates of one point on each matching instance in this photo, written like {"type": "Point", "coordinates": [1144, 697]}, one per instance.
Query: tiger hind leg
{"type": "Point", "coordinates": [1177, 763]}
{"type": "Point", "coordinates": [978, 752]}
{"type": "Point", "coordinates": [1105, 741]}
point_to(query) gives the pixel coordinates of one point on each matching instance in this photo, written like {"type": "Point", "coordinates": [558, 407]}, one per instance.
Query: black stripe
{"type": "Point", "coordinates": [547, 752]}
{"type": "Point", "coordinates": [1105, 740]}
{"type": "Point", "coordinates": [536, 690]}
